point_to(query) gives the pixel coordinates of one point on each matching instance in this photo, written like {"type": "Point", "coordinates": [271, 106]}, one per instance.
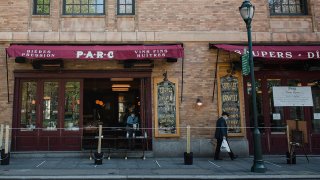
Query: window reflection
{"type": "Point", "coordinates": [72, 106]}
{"type": "Point", "coordinates": [28, 106]}
{"type": "Point", "coordinates": [50, 105]}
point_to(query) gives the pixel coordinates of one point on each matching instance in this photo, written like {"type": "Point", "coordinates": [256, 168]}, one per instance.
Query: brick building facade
{"type": "Point", "coordinates": [194, 24]}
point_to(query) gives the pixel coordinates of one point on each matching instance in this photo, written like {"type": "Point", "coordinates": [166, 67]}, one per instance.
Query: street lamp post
{"type": "Point", "coordinates": [247, 12]}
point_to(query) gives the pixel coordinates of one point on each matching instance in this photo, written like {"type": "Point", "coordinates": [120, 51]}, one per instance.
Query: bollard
{"type": "Point", "coordinates": [5, 157]}
{"type": "Point", "coordinates": [188, 156]}
{"type": "Point", "coordinates": [98, 156]}
{"type": "Point", "coordinates": [5, 154]}
{"type": "Point", "coordinates": [1, 135]}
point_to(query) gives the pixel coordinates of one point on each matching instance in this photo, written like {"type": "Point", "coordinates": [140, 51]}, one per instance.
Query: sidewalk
{"type": "Point", "coordinates": [156, 168]}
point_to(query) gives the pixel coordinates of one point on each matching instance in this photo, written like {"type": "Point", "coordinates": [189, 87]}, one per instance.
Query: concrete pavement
{"type": "Point", "coordinates": [68, 167]}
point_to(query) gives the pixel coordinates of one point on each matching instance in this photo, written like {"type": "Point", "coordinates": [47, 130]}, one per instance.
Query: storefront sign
{"type": "Point", "coordinates": [95, 52]}
{"type": "Point", "coordinates": [292, 96]}
{"type": "Point", "coordinates": [231, 102]}
{"type": "Point", "coordinates": [276, 52]}
{"type": "Point", "coordinates": [166, 108]}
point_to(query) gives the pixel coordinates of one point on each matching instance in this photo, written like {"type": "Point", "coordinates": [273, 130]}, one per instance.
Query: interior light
{"type": "Point", "coordinates": [121, 85]}
{"type": "Point", "coordinates": [120, 89]}
{"type": "Point", "coordinates": [199, 102]}
{"type": "Point", "coordinates": [121, 79]}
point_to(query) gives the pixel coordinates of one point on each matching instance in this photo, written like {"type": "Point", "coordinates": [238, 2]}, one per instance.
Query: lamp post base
{"type": "Point", "coordinates": [258, 167]}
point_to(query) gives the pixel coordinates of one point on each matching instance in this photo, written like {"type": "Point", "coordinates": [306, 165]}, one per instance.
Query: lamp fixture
{"type": "Point", "coordinates": [121, 86]}
{"type": "Point", "coordinates": [121, 79]}
{"type": "Point", "coordinates": [247, 11]}
{"type": "Point", "coordinates": [199, 102]}
{"type": "Point", "coordinates": [120, 89]}
{"type": "Point", "coordinates": [53, 64]}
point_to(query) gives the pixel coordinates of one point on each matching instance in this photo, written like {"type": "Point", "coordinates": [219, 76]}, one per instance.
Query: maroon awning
{"type": "Point", "coordinates": [96, 52]}
{"type": "Point", "coordinates": [276, 52]}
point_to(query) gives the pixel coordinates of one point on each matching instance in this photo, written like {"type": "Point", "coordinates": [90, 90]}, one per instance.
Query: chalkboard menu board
{"type": "Point", "coordinates": [230, 101]}
{"type": "Point", "coordinates": [166, 108]}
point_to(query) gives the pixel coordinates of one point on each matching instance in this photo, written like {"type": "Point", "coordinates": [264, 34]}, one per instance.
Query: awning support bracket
{"type": "Point", "coordinates": [7, 71]}
{"type": "Point", "coordinates": [182, 66]}
{"type": "Point", "coordinates": [215, 76]}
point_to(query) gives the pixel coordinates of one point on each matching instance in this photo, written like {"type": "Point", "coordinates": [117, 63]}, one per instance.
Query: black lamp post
{"type": "Point", "coordinates": [247, 12]}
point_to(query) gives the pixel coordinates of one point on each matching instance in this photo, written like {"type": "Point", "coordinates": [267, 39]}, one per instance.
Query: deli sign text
{"type": "Point", "coordinates": [275, 52]}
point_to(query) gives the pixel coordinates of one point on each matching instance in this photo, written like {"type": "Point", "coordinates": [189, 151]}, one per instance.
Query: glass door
{"type": "Point", "coordinates": [49, 115]}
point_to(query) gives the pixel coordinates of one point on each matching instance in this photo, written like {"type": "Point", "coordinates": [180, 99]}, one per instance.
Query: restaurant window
{"type": "Point", "coordinates": [295, 112]}
{"type": "Point", "coordinates": [315, 88]}
{"type": "Point", "coordinates": [276, 112]}
{"type": "Point", "coordinates": [41, 7]}
{"type": "Point", "coordinates": [288, 7]}
{"type": "Point", "coordinates": [126, 7]}
{"type": "Point", "coordinates": [28, 106]}
{"type": "Point", "coordinates": [72, 105]}
{"type": "Point", "coordinates": [83, 7]}
{"type": "Point", "coordinates": [50, 105]}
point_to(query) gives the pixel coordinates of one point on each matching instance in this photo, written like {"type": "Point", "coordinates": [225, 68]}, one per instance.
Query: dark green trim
{"type": "Point", "coordinates": [64, 11]}
{"type": "Point", "coordinates": [133, 8]}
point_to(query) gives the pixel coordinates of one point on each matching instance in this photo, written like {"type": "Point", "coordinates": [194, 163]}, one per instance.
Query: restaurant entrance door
{"type": "Point", "coordinates": [109, 102]}
{"type": "Point", "coordinates": [272, 120]}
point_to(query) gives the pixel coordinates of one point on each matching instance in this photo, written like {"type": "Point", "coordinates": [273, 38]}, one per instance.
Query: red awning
{"type": "Point", "coordinates": [276, 52]}
{"type": "Point", "coordinates": [96, 52]}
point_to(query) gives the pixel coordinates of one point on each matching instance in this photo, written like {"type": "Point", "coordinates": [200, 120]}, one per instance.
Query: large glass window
{"type": "Point", "coordinates": [50, 105]}
{"type": "Point", "coordinates": [28, 106]}
{"type": "Point", "coordinates": [276, 113]}
{"type": "Point", "coordinates": [288, 7]}
{"type": "Point", "coordinates": [41, 7]}
{"type": "Point", "coordinates": [83, 7]}
{"type": "Point", "coordinates": [295, 112]}
{"type": "Point", "coordinates": [126, 7]}
{"type": "Point", "coordinates": [72, 106]}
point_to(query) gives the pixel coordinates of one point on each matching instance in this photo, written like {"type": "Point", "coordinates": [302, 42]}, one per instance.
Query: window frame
{"type": "Point", "coordinates": [80, 13]}
{"type": "Point", "coordinates": [35, 7]}
{"type": "Point", "coordinates": [303, 5]}
{"type": "Point", "coordinates": [124, 14]}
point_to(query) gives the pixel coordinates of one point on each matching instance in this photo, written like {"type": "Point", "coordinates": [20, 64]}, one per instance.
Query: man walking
{"type": "Point", "coordinates": [220, 134]}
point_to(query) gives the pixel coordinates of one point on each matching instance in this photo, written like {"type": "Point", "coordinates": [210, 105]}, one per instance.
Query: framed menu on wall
{"type": "Point", "coordinates": [230, 99]}
{"type": "Point", "coordinates": [166, 107]}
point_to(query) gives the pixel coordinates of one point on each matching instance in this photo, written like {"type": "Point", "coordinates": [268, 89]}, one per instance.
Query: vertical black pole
{"type": "Point", "coordinates": [258, 164]}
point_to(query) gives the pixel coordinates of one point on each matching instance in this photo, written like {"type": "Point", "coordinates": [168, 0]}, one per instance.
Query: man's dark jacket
{"type": "Point", "coordinates": [221, 129]}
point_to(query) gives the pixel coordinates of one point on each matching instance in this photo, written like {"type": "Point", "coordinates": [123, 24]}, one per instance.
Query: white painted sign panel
{"type": "Point", "coordinates": [316, 116]}
{"type": "Point", "coordinates": [292, 96]}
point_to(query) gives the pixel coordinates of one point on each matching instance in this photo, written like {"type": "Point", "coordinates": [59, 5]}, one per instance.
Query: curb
{"type": "Point", "coordinates": [162, 177]}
